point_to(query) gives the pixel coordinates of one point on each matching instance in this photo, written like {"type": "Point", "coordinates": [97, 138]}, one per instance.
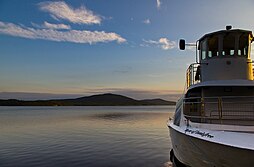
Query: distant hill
{"type": "Point", "coordinates": [157, 101]}
{"type": "Point", "coordinates": [94, 100]}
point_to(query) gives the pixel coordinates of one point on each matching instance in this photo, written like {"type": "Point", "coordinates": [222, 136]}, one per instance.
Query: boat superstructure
{"type": "Point", "coordinates": [213, 123]}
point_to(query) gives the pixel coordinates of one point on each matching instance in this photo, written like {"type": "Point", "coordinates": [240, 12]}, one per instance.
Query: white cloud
{"type": "Point", "coordinates": [151, 41]}
{"type": "Point", "coordinates": [167, 44]}
{"type": "Point", "coordinates": [147, 21]}
{"type": "Point", "coordinates": [56, 26]}
{"type": "Point", "coordinates": [158, 3]}
{"type": "Point", "coordinates": [60, 10]}
{"type": "Point", "coordinates": [163, 43]}
{"type": "Point", "coordinates": [48, 25]}
{"type": "Point", "coordinates": [76, 36]}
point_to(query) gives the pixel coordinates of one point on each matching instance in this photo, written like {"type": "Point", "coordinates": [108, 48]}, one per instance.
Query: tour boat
{"type": "Point", "coordinates": [213, 124]}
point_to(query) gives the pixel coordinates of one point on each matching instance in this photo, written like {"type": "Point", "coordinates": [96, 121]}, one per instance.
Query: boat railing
{"type": "Point", "coordinates": [192, 74]}
{"type": "Point", "coordinates": [237, 110]}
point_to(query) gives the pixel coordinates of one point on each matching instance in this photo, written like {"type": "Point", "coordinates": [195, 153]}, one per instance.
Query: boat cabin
{"type": "Point", "coordinates": [225, 55]}
{"type": "Point", "coordinates": [220, 86]}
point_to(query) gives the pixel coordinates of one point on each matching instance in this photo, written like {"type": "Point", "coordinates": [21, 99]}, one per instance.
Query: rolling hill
{"type": "Point", "coordinates": [94, 100]}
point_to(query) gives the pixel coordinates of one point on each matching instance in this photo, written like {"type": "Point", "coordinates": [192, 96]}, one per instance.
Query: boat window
{"type": "Point", "coordinates": [203, 49]}
{"type": "Point", "coordinates": [232, 52]}
{"type": "Point", "coordinates": [243, 45]}
{"type": "Point", "coordinates": [209, 47]}
{"type": "Point", "coordinates": [229, 44]}
{"type": "Point", "coordinates": [213, 47]}
{"type": "Point", "coordinates": [225, 44]}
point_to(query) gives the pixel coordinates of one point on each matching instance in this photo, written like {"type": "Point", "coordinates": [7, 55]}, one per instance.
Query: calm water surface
{"type": "Point", "coordinates": [84, 136]}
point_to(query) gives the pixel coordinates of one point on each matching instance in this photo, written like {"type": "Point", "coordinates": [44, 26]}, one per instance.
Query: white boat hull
{"type": "Point", "coordinates": [196, 152]}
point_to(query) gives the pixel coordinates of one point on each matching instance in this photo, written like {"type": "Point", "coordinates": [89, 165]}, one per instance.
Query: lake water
{"type": "Point", "coordinates": [84, 136]}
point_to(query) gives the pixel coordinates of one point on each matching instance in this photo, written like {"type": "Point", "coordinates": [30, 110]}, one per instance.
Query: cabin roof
{"type": "Point", "coordinates": [226, 31]}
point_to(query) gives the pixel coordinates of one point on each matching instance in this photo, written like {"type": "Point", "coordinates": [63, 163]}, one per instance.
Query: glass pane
{"type": "Point", "coordinates": [213, 46]}
{"type": "Point", "coordinates": [203, 55]}
{"type": "Point", "coordinates": [232, 52]}
{"type": "Point", "coordinates": [209, 54]}
{"type": "Point", "coordinates": [203, 49]}
{"type": "Point", "coordinates": [243, 44]}
{"type": "Point", "coordinates": [229, 44]}
{"type": "Point", "coordinates": [239, 53]}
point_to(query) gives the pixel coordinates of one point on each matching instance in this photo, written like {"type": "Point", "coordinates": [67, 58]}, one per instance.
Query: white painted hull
{"type": "Point", "coordinates": [197, 152]}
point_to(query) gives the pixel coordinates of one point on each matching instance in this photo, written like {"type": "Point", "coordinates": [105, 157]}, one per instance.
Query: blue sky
{"type": "Point", "coordinates": [74, 48]}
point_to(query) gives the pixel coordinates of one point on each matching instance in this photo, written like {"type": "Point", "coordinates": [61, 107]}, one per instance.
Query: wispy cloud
{"type": "Point", "coordinates": [56, 26]}
{"type": "Point", "coordinates": [167, 44]}
{"type": "Point", "coordinates": [76, 36]}
{"type": "Point", "coordinates": [163, 43]}
{"type": "Point", "coordinates": [158, 3]}
{"type": "Point", "coordinates": [61, 10]}
{"type": "Point", "coordinates": [48, 25]}
{"type": "Point", "coordinates": [147, 21]}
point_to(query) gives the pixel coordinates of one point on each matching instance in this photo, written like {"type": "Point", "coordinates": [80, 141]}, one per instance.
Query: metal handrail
{"type": "Point", "coordinates": [237, 110]}
{"type": "Point", "coordinates": [216, 97]}
{"type": "Point", "coordinates": [191, 73]}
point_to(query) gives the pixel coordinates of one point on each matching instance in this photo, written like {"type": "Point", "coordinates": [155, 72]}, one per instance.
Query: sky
{"type": "Point", "coordinates": [62, 49]}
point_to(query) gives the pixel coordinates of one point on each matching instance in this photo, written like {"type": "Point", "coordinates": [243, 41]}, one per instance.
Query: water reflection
{"type": "Point", "coordinates": [111, 116]}
{"type": "Point", "coordinates": [84, 136]}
